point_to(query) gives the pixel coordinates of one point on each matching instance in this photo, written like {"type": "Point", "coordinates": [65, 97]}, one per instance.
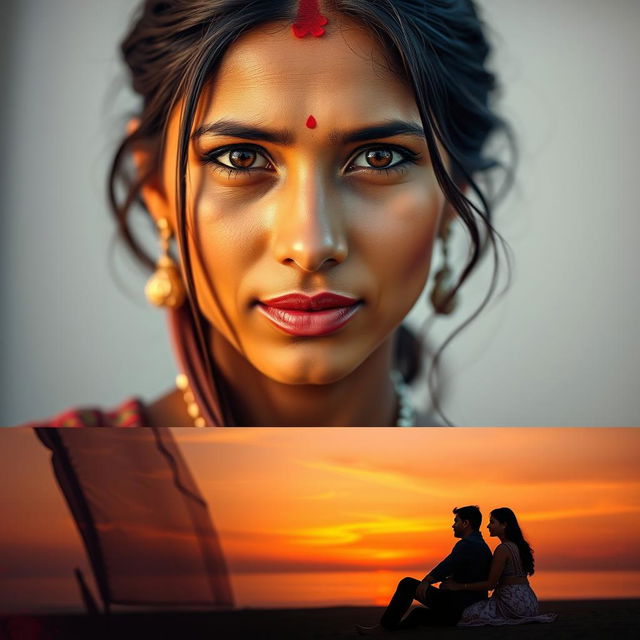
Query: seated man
{"type": "Point", "coordinates": [469, 561]}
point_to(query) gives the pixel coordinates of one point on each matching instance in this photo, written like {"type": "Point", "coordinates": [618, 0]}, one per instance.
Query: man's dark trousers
{"type": "Point", "coordinates": [445, 607]}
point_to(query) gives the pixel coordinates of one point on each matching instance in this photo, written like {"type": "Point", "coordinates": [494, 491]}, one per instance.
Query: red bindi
{"type": "Point", "coordinates": [309, 20]}
{"type": "Point", "coordinates": [311, 122]}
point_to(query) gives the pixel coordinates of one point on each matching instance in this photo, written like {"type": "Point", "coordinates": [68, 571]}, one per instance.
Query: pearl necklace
{"type": "Point", "coordinates": [193, 409]}
{"type": "Point", "coordinates": [406, 411]}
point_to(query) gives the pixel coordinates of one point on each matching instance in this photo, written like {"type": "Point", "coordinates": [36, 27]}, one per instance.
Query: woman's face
{"type": "Point", "coordinates": [495, 527]}
{"type": "Point", "coordinates": [312, 201]}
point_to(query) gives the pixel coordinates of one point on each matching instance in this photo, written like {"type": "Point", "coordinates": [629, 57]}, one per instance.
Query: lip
{"type": "Point", "coordinates": [299, 314]}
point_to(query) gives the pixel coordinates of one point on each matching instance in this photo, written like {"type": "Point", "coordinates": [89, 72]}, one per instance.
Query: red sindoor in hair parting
{"type": "Point", "coordinates": [309, 20]}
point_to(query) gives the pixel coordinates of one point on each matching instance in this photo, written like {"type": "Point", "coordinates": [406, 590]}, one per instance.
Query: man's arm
{"type": "Point", "coordinates": [421, 589]}
{"type": "Point", "coordinates": [441, 571]}
{"type": "Point", "coordinates": [445, 568]}
{"type": "Point", "coordinates": [449, 564]}
{"type": "Point", "coordinates": [497, 567]}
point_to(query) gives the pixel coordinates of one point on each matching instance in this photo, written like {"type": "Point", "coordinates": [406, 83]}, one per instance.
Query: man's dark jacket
{"type": "Point", "coordinates": [469, 561]}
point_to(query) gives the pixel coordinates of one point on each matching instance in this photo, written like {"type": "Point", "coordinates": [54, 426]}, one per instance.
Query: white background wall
{"type": "Point", "coordinates": [561, 348]}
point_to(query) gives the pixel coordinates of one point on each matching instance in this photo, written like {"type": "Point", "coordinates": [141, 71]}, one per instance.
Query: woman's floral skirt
{"type": "Point", "coordinates": [509, 604]}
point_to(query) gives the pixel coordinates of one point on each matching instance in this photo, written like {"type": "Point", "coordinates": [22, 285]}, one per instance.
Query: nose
{"type": "Point", "coordinates": [309, 228]}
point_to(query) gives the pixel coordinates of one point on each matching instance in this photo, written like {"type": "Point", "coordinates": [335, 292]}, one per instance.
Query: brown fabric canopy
{"type": "Point", "coordinates": [144, 523]}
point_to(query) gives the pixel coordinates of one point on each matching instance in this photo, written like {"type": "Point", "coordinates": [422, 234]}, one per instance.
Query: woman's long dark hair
{"type": "Point", "coordinates": [175, 46]}
{"type": "Point", "coordinates": [513, 533]}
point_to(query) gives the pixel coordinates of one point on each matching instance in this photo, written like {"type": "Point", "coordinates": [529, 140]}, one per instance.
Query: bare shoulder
{"type": "Point", "coordinates": [502, 550]}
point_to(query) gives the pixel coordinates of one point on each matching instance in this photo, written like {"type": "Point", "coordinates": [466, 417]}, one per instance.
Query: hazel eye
{"type": "Point", "coordinates": [242, 158]}
{"type": "Point", "coordinates": [378, 158]}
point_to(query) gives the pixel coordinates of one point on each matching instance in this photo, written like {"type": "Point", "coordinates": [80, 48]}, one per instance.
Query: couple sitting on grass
{"type": "Point", "coordinates": [465, 576]}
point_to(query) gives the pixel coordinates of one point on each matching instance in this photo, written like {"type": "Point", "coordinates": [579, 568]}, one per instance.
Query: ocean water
{"type": "Point", "coordinates": [375, 588]}
{"type": "Point", "coordinates": [319, 589]}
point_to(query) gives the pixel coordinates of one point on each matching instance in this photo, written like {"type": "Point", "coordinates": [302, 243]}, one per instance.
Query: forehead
{"type": "Point", "coordinates": [344, 73]}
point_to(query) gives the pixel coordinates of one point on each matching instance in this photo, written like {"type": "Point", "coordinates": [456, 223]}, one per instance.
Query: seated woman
{"type": "Point", "coordinates": [306, 156]}
{"type": "Point", "coordinates": [513, 600]}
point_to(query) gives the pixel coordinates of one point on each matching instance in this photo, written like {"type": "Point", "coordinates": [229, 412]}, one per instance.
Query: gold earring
{"type": "Point", "coordinates": [165, 287]}
{"type": "Point", "coordinates": [443, 297]}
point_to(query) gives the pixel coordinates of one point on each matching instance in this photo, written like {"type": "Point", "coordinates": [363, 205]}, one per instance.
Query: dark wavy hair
{"type": "Point", "coordinates": [513, 533]}
{"type": "Point", "coordinates": [471, 513]}
{"type": "Point", "coordinates": [438, 46]}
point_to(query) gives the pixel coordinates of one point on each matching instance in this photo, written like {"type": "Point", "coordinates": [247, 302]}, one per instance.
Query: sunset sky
{"type": "Point", "coordinates": [317, 516]}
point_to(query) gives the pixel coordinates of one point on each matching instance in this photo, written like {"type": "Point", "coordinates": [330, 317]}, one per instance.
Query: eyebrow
{"type": "Point", "coordinates": [236, 129]}
{"type": "Point", "coordinates": [386, 130]}
{"type": "Point", "coordinates": [285, 137]}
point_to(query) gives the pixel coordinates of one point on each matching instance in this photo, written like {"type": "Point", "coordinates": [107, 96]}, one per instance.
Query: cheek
{"type": "Point", "coordinates": [406, 229]}
{"type": "Point", "coordinates": [225, 243]}
{"type": "Point", "coordinates": [418, 247]}
{"type": "Point", "coordinates": [419, 219]}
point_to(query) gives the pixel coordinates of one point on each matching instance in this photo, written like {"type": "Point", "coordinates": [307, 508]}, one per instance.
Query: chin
{"type": "Point", "coordinates": [316, 368]}
{"type": "Point", "coordinates": [303, 376]}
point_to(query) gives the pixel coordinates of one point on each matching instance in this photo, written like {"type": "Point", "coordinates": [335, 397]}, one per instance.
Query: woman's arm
{"type": "Point", "coordinates": [500, 556]}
